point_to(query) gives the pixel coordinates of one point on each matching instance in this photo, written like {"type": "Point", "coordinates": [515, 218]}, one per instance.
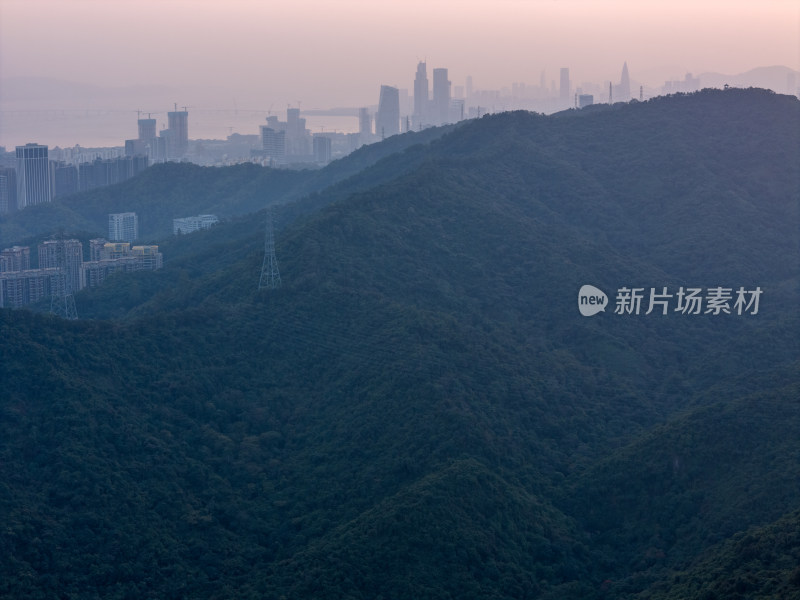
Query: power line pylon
{"type": "Point", "coordinates": [270, 276]}
{"type": "Point", "coordinates": [62, 302]}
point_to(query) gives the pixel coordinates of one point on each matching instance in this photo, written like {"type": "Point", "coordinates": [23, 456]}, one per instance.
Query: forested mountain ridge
{"type": "Point", "coordinates": [680, 182]}
{"type": "Point", "coordinates": [172, 190]}
{"type": "Point", "coordinates": [421, 410]}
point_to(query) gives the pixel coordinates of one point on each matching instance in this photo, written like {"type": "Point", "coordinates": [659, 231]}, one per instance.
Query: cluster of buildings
{"type": "Point", "coordinates": [437, 102]}
{"type": "Point", "coordinates": [61, 266]}
{"type": "Point", "coordinates": [35, 179]}
{"type": "Point", "coordinates": [287, 142]}
{"type": "Point", "coordinates": [429, 109]}
{"type": "Point", "coordinates": [431, 101]}
{"type": "Point", "coordinates": [441, 104]}
{"type": "Point", "coordinates": [171, 143]}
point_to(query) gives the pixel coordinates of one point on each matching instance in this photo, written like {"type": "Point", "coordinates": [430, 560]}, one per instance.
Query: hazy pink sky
{"type": "Point", "coordinates": [338, 52]}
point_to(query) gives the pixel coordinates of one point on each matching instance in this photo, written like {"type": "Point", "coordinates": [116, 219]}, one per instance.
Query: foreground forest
{"type": "Point", "coordinates": [421, 411]}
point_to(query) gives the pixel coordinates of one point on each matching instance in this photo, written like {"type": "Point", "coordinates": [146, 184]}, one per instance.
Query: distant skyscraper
{"type": "Point", "coordinates": [293, 121]}
{"type": "Point", "coordinates": [123, 227]}
{"type": "Point", "coordinates": [33, 176]}
{"type": "Point", "coordinates": [178, 139]}
{"type": "Point", "coordinates": [298, 139]}
{"type": "Point", "coordinates": [273, 143]}
{"type": "Point", "coordinates": [322, 149]}
{"type": "Point", "coordinates": [469, 87]}
{"type": "Point", "coordinates": [387, 121]}
{"type": "Point", "coordinates": [134, 147]}
{"type": "Point", "coordinates": [65, 179]}
{"type": "Point", "coordinates": [421, 96]}
{"type": "Point", "coordinates": [456, 110]}
{"type": "Point", "coordinates": [364, 123]}
{"type": "Point", "coordinates": [563, 92]}
{"type": "Point", "coordinates": [441, 96]}
{"type": "Point", "coordinates": [147, 130]}
{"type": "Point", "coordinates": [8, 190]}
{"type": "Point", "coordinates": [623, 91]}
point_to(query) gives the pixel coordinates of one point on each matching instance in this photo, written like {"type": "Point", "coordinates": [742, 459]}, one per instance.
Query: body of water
{"type": "Point", "coordinates": [97, 128]}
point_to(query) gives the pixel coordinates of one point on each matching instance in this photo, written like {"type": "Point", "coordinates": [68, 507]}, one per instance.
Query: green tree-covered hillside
{"type": "Point", "coordinates": [421, 410]}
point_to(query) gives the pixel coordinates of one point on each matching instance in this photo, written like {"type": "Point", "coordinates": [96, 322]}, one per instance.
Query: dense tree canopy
{"type": "Point", "coordinates": [421, 411]}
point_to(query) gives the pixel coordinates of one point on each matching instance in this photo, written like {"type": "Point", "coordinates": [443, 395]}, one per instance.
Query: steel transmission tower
{"type": "Point", "coordinates": [62, 302]}
{"type": "Point", "coordinates": [270, 276]}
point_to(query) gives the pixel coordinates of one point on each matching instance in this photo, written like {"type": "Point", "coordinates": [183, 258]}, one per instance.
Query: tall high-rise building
{"type": "Point", "coordinates": [421, 96]}
{"type": "Point", "coordinates": [178, 138]}
{"type": "Point", "coordinates": [65, 179]}
{"type": "Point", "coordinates": [8, 190]}
{"type": "Point", "coordinates": [273, 143]}
{"type": "Point", "coordinates": [33, 176]}
{"type": "Point", "coordinates": [134, 147]}
{"type": "Point", "coordinates": [322, 149]}
{"type": "Point", "coordinates": [564, 89]}
{"type": "Point", "coordinates": [147, 130]}
{"type": "Point", "coordinates": [441, 96]}
{"type": "Point", "coordinates": [15, 259]}
{"type": "Point", "coordinates": [293, 125]}
{"type": "Point", "coordinates": [364, 127]}
{"type": "Point", "coordinates": [387, 120]}
{"type": "Point", "coordinates": [298, 138]}
{"type": "Point", "coordinates": [123, 227]}
{"type": "Point", "coordinates": [96, 247]}
{"type": "Point", "coordinates": [364, 123]}
{"type": "Point", "coordinates": [623, 91]}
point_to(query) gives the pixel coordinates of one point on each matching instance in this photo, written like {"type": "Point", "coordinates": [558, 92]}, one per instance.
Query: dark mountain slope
{"type": "Point", "coordinates": [695, 480]}
{"type": "Point", "coordinates": [760, 563]}
{"type": "Point", "coordinates": [420, 410]}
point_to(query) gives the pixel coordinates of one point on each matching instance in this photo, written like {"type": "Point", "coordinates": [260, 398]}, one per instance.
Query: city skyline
{"type": "Point", "coordinates": [316, 55]}
{"type": "Point", "coordinates": [329, 54]}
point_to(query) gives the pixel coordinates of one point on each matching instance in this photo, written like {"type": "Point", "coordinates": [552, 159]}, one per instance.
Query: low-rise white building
{"type": "Point", "coordinates": [190, 224]}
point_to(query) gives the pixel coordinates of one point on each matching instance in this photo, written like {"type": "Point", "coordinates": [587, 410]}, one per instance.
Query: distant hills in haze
{"type": "Point", "coordinates": [41, 93]}
{"type": "Point", "coordinates": [421, 411]}
{"type": "Point", "coordinates": [776, 78]}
